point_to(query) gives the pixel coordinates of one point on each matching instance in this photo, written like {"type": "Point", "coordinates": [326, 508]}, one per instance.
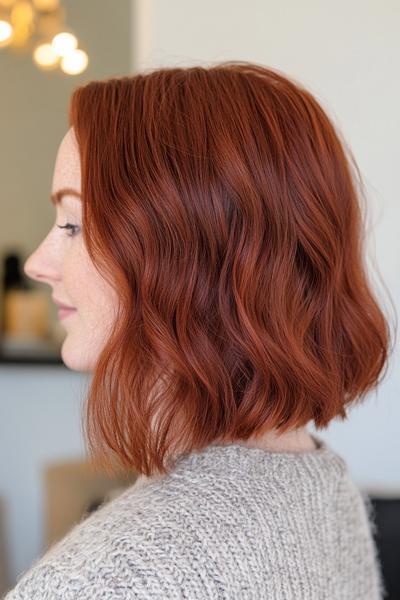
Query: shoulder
{"type": "Point", "coordinates": [208, 527]}
{"type": "Point", "coordinates": [140, 545]}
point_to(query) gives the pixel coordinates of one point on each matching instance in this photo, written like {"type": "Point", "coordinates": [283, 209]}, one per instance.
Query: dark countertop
{"type": "Point", "coordinates": [31, 360]}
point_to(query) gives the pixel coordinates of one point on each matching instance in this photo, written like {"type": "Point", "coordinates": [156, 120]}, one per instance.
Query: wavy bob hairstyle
{"type": "Point", "coordinates": [222, 205]}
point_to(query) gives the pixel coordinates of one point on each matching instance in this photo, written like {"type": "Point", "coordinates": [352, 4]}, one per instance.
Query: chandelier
{"type": "Point", "coordinates": [38, 27]}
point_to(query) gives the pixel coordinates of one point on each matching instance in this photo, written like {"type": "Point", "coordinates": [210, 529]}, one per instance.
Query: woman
{"type": "Point", "coordinates": [208, 247]}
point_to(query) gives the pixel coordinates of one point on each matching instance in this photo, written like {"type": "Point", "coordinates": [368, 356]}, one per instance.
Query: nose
{"type": "Point", "coordinates": [41, 266]}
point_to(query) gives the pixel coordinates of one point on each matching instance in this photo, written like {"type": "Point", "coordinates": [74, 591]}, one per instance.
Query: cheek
{"type": "Point", "coordinates": [94, 298]}
{"type": "Point", "coordinates": [99, 301]}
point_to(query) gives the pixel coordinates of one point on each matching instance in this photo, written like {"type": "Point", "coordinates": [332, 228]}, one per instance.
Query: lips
{"type": "Point", "coordinates": [65, 312]}
{"type": "Point", "coordinates": [62, 305]}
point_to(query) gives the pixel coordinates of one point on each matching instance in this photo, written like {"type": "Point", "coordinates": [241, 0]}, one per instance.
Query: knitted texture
{"type": "Point", "coordinates": [229, 522]}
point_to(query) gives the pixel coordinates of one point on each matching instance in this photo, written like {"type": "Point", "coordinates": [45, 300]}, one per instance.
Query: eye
{"type": "Point", "coordinates": [73, 228]}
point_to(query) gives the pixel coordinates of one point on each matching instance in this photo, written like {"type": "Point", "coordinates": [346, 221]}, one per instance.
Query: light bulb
{"type": "Point", "coordinates": [75, 62]}
{"type": "Point", "coordinates": [6, 32]}
{"type": "Point", "coordinates": [63, 43]}
{"type": "Point", "coordinates": [45, 57]}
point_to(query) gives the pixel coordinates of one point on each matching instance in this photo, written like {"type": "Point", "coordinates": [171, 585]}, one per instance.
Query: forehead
{"type": "Point", "coordinates": [67, 170]}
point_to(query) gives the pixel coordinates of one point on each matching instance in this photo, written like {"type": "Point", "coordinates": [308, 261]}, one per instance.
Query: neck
{"type": "Point", "coordinates": [295, 440]}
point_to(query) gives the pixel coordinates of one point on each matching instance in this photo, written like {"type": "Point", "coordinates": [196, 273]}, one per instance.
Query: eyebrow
{"type": "Point", "coordinates": [56, 197]}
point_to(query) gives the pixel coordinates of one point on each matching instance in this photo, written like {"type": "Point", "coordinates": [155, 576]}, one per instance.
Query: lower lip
{"type": "Point", "coordinates": [65, 312]}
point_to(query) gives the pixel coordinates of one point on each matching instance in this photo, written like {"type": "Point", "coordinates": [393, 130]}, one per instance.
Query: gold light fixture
{"type": "Point", "coordinates": [37, 26]}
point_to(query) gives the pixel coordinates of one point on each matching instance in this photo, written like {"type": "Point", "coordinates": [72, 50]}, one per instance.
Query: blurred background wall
{"type": "Point", "coordinates": [348, 55]}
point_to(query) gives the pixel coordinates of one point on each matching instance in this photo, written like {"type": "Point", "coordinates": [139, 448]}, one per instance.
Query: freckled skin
{"type": "Point", "coordinates": [63, 263]}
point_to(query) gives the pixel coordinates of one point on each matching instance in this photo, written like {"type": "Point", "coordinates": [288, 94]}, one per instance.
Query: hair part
{"type": "Point", "coordinates": [220, 203]}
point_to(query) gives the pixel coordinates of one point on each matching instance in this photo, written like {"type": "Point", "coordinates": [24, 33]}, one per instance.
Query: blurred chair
{"type": "Point", "coordinates": [387, 518]}
{"type": "Point", "coordinates": [74, 489]}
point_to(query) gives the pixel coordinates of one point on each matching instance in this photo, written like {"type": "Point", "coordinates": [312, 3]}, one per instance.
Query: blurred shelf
{"type": "Point", "coordinates": [31, 360]}
{"type": "Point", "coordinates": [29, 352]}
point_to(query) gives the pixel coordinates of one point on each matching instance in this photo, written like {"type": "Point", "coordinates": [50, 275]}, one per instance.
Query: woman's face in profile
{"type": "Point", "coordinates": [61, 260]}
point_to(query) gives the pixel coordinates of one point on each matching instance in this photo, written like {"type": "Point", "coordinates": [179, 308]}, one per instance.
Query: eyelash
{"type": "Point", "coordinates": [73, 228]}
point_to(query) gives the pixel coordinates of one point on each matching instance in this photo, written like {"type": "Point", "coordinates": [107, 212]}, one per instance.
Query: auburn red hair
{"type": "Point", "coordinates": [221, 204]}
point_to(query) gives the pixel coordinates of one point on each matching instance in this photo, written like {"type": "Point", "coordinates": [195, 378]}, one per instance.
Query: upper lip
{"type": "Point", "coordinates": [61, 304]}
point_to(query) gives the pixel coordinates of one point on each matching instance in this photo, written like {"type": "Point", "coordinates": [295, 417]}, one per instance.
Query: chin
{"type": "Point", "coordinates": [74, 359]}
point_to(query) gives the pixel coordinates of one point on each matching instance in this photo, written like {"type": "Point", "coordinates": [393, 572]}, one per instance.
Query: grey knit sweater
{"type": "Point", "coordinates": [229, 522]}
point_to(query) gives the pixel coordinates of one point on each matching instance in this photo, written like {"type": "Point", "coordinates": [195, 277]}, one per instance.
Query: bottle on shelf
{"type": "Point", "coordinates": [26, 327]}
